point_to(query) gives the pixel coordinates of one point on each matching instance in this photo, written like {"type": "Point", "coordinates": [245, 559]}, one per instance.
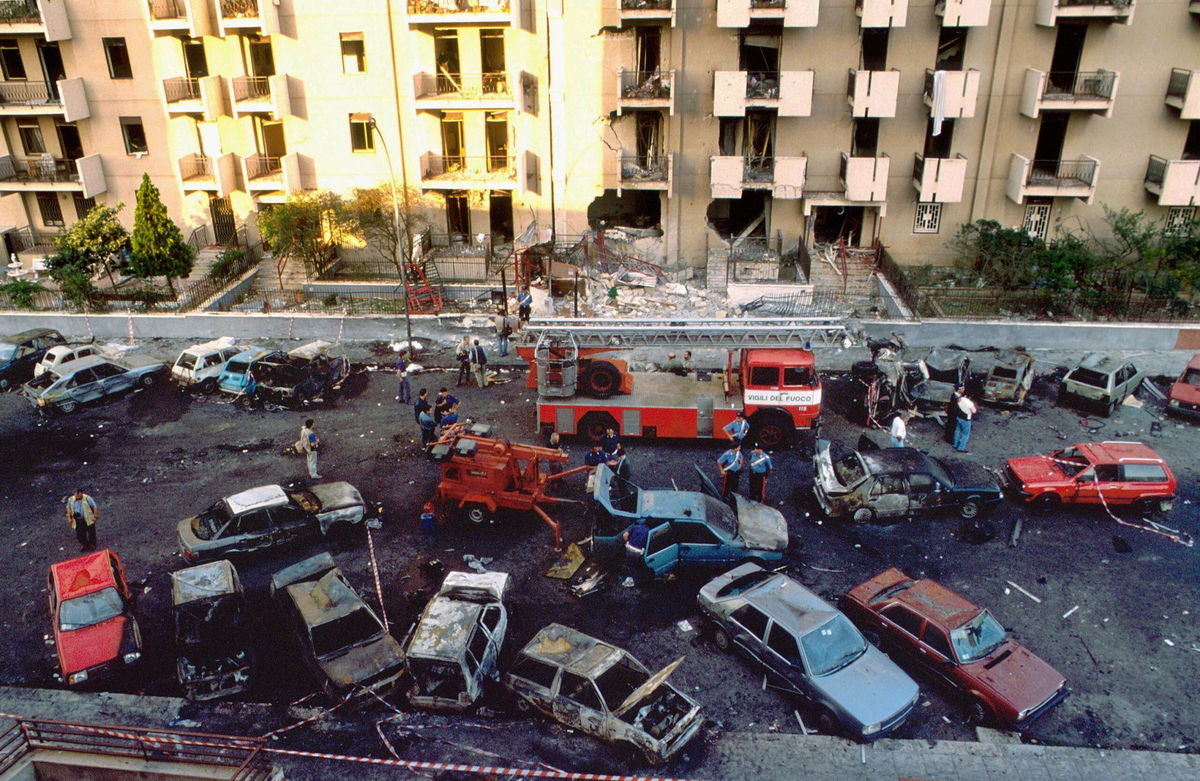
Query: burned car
{"type": "Point", "coordinates": [899, 482]}
{"type": "Point", "coordinates": [20, 354]}
{"type": "Point", "coordinates": [601, 690]}
{"type": "Point", "coordinates": [452, 652]}
{"type": "Point", "coordinates": [1183, 399]}
{"type": "Point", "coordinates": [300, 375]}
{"type": "Point", "coordinates": [269, 516]}
{"type": "Point", "coordinates": [1100, 382]}
{"type": "Point", "coordinates": [1009, 380]}
{"type": "Point", "coordinates": [686, 527]}
{"type": "Point", "coordinates": [811, 648]}
{"type": "Point", "coordinates": [213, 657]}
{"type": "Point", "coordinates": [889, 384]}
{"type": "Point", "coordinates": [341, 638]}
{"type": "Point", "coordinates": [960, 644]}
{"type": "Point", "coordinates": [66, 386]}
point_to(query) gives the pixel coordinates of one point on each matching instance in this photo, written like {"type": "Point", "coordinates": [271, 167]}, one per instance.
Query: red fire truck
{"type": "Point", "coordinates": [769, 373]}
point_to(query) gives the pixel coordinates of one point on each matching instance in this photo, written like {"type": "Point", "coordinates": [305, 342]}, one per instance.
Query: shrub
{"type": "Point", "coordinates": [225, 264]}
{"type": "Point", "coordinates": [21, 292]}
{"type": "Point", "coordinates": [145, 297]}
{"type": "Point", "coordinates": [77, 288]}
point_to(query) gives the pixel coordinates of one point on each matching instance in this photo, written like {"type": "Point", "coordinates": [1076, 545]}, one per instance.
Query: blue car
{"type": "Point", "coordinates": [66, 386]}
{"type": "Point", "coordinates": [235, 377]}
{"type": "Point", "coordinates": [686, 527]}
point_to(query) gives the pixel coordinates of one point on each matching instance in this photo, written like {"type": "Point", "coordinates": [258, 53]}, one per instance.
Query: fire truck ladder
{"type": "Point", "coordinates": [593, 333]}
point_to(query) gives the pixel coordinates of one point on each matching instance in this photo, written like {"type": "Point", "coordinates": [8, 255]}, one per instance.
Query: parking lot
{"type": "Point", "coordinates": [1117, 613]}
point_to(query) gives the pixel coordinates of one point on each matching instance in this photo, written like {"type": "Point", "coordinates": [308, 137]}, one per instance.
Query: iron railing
{"type": "Point", "coordinates": [1053, 305]}
{"type": "Point", "coordinates": [489, 167]}
{"type": "Point", "coordinates": [1156, 171]}
{"type": "Point", "coordinates": [646, 85]}
{"type": "Point", "coordinates": [1079, 85]}
{"type": "Point", "coordinates": [1177, 87]}
{"type": "Point", "coordinates": [768, 3]}
{"type": "Point", "coordinates": [167, 9]}
{"type": "Point", "coordinates": [645, 168]}
{"type": "Point", "coordinates": [758, 168]}
{"type": "Point", "coordinates": [247, 88]}
{"type": "Point", "coordinates": [424, 7]}
{"type": "Point", "coordinates": [756, 248]}
{"type": "Point", "coordinates": [1062, 173]}
{"type": "Point", "coordinates": [181, 88]}
{"type": "Point", "coordinates": [762, 85]}
{"type": "Point", "coordinates": [891, 271]}
{"type": "Point", "coordinates": [19, 12]}
{"type": "Point", "coordinates": [462, 86]}
{"type": "Point", "coordinates": [1118, 4]}
{"type": "Point", "coordinates": [264, 167]}
{"type": "Point", "coordinates": [28, 93]}
{"type": "Point", "coordinates": [28, 240]}
{"type": "Point", "coordinates": [239, 9]}
{"type": "Point", "coordinates": [38, 169]}
{"type": "Point", "coordinates": [195, 167]}
{"type": "Point", "coordinates": [204, 289]}
{"type": "Point", "coordinates": [646, 5]}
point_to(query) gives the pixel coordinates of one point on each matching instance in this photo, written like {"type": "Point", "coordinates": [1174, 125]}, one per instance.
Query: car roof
{"type": "Point", "coordinates": [32, 333]}
{"type": "Point", "coordinates": [203, 581]}
{"type": "Point", "coordinates": [572, 650]}
{"type": "Point", "coordinates": [1013, 359]}
{"type": "Point", "coordinates": [1195, 362]}
{"type": "Point", "coordinates": [444, 628]}
{"type": "Point", "coordinates": [780, 355]}
{"type": "Point", "coordinates": [253, 352]}
{"type": "Point", "coordinates": [59, 349]}
{"type": "Point", "coordinates": [937, 603]}
{"type": "Point", "coordinates": [255, 498]}
{"type": "Point", "coordinates": [894, 459]}
{"type": "Point", "coordinates": [325, 599]}
{"type": "Point", "coordinates": [1098, 362]}
{"type": "Point", "coordinates": [1119, 450]}
{"type": "Point", "coordinates": [790, 604]}
{"type": "Point", "coordinates": [83, 575]}
{"type": "Point", "coordinates": [86, 362]}
{"type": "Point", "coordinates": [213, 346]}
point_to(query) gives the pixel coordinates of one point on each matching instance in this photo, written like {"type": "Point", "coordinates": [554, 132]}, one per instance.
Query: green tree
{"type": "Point", "coordinates": [21, 292]}
{"type": "Point", "coordinates": [997, 255]}
{"type": "Point", "coordinates": [94, 241]}
{"type": "Point", "coordinates": [307, 227]}
{"type": "Point", "coordinates": [373, 221]}
{"type": "Point", "coordinates": [157, 244]}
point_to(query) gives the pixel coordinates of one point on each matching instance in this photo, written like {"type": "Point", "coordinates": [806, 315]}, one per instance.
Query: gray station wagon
{"type": "Point", "coordinates": [1100, 382]}
{"type": "Point", "coordinates": [64, 387]}
{"type": "Point", "coordinates": [811, 647]}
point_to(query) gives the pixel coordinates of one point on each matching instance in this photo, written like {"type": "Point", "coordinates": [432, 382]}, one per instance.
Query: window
{"type": "Point", "coordinates": [764, 376]}
{"type": "Point", "coordinates": [783, 643]}
{"type": "Point", "coordinates": [254, 522]}
{"type": "Point", "coordinates": [31, 136]}
{"type": "Point", "coordinates": [135, 135]}
{"type": "Point", "coordinates": [1143, 473]}
{"type": "Point", "coordinates": [354, 53]}
{"type": "Point", "coordinates": [478, 645]}
{"type": "Point", "coordinates": [798, 377]}
{"type": "Point", "coordinates": [534, 671]}
{"type": "Point", "coordinates": [904, 618]}
{"type": "Point", "coordinates": [920, 483]}
{"type": "Point", "coordinates": [1178, 220]}
{"type": "Point", "coordinates": [83, 377]}
{"type": "Point", "coordinates": [753, 619]}
{"type": "Point", "coordinates": [1037, 220]}
{"type": "Point", "coordinates": [937, 641]}
{"type": "Point", "coordinates": [361, 138]}
{"type": "Point", "coordinates": [929, 218]}
{"type": "Point", "coordinates": [660, 539]}
{"type": "Point", "coordinates": [687, 533]}
{"type": "Point", "coordinates": [50, 209]}
{"type": "Point", "coordinates": [287, 514]}
{"type": "Point", "coordinates": [117, 53]}
{"type": "Point", "coordinates": [106, 370]}
{"type": "Point", "coordinates": [10, 60]}
{"type": "Point", "coordinates": [580, 690]}
{"type": "Point", "coordinates": [83, 205]}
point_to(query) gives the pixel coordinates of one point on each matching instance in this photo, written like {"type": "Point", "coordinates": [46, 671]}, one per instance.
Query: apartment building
{"type": "Point", "coordinates": [790, 122]}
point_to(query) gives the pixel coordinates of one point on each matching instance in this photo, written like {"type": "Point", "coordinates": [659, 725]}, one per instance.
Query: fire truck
{"type": "Point", "coordinates": [769, 373]}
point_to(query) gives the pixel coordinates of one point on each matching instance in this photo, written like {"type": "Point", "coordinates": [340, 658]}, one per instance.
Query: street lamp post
{"type": "Point", "coordinates": [401, 252]}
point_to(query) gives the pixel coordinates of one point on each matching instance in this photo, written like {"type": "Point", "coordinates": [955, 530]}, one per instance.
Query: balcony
{"type": "Point", "coordinates": [647, 11]}
{"type": "Point", "coordinates": [199, 173]}
{"type": "Point", "coordinates": [271, 174]}
{"type": "Point", "coordinates": [1092, 91]}
{"type": "Point", "coordinates": [1048, 12]}
{"type": "Point", "coordinates": [1183, 92]}
{"type": "Point", "coordinates": [1052, 178]}
{"type": "Point", "coordinates": [644, 172]}
{"type": "Point", "coordinates": [462, 172]}
{"type": "Point", "coordinates": [882, 13]}
{"type": "Point", "coordinates": [29, 17]}
{"type": "Point", "coordinates": [238, 17]}
{"type": "Point", "coordinates": [939, 179]}
{"type": "Point", "coordinates": [959, 93]}
{"type": "Point", "coordinates": [464, 12]}
{"type": "Point", "coordinates": [36, 98]}
{"type": "Point", "coordinates": [261, 95]}
{"type": "Point", "coordinates": [741, 13]}
{"type": "Point", "coordinates": [645, 89]}
{"type": "Point", "coordinates": [1175, 182]}
{"type": "Point", "coordinates": [788, 92]}
{"type": "Point", "coordinates": [873, 93]}
{"type": "Point", "coordinates": [456, 91]}
{"type": "Point", "coordinates": [203, 97]}
{"type": "Point", "coordinates": [783, 176]}
{"type": "Point", "coordinates": [188, 18]}
{"type": "Point", "coordinates": [865, 178]}
{"type": "Point", "coordinates": [963, 13]}
{"type": "Point", "coordinates": [52, 174]}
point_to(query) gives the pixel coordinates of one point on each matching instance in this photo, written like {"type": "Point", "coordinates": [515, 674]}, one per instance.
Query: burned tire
{"type": "Point", "coordinates": [977, 712]}
{"type": "Point", "coordinates": [478, 514]}
{"type": "Point", "coordinates": [593, 425]}
{"type": "Point", "coordinates": [969, 509]}
{"type": "Point", "coordinates": [67, 407]}
{"type": "Point", "coordinates": [774, 431]}
{"type": "Point", "coordinates": [1045, 503]}
{"type": "Point", "coordinates": [601, 379]}
{"type": "Point", "coordinates": [208, 386]}
{"type": "Point", "coordinates": [147, 380]}
{"type": "Point", "coordinates": [722, 640]}
{"type": "Point", "coordinates": [863, 515]}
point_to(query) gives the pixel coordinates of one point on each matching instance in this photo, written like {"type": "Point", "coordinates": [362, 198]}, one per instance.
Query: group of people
{"type": "Point", "coordinates": [960, 411]}
{"type": "Point", "coordinates": [609, 451]}
{"type": "Point", "coordinates": [442, 412]}
{"type": "Point", "coordinates": [734, 461]}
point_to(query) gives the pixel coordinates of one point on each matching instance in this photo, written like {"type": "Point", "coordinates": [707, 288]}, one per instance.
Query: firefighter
{"type": "Point", "coordinates": [610, 441]}
{"type": "Point", "coordinates": [738, 428]}
{"type": "Point", "coordinates": [760, 467]}
{"type": "Point", "coordinates": [730, 463]}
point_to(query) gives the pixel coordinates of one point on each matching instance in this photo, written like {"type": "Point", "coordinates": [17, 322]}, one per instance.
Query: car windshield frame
{"type": "Point", "coordinates": [214, 520]}
{"type": "Point", "coordinates": [720, 515]}
{"type": "Point", "coordinates": [8, 351]}
{"type": "Point", "coordinates": [850, 469]}
{"type": "Point", "coordinates": [338, 635]}
{"type": "Point", "coordinates": [187, 361]}
{"type": "Point", "coordinates": [1004, 373]}
{"type": "Point", "coordinates": [1189, 377]}
{"type": "Point", "coordinates": [989, 632]}
{"type": "Point", "coordinates": [1090, 377]}
{"type": "Point", "coordinates": [90, 609]}
{"type": "Point", "coordinates": [817, 656]}
{"type": "Point", "coordinates": [236, 366]}
{"type": "Point", "coordinates": [1067, 459]}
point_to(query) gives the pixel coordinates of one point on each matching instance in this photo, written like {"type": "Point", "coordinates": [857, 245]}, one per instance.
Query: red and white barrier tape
{"type": "Point", "coordinates": [129, 315]}
{"type": "Point", "coordinates": [275, 733]}
{"type": "Point", "coordinates": [375, 573]}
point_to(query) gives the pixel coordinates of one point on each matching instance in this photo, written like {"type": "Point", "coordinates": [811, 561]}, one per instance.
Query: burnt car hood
{"type": "Point", "coordinates": [760, 526]}
{"type": "Point", "coordinates": [80, 649]}
{"type": "Point", "coordinates": [1017, 676]}
{"type": "Point", "coordinates": [1035, 469]}
{"type": "Point", "coordinates": [363, 661]}
{"type": "Point", "coordinates": [870, 689]}
{"type": "Point", "coordinates": [967, 475]}
{"type": "Point", "coordinates": [336, 496]}
{"type": "Point", "coordinates": [1185, 392]}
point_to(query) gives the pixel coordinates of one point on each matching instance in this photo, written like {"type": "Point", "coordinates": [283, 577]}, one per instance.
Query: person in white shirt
{"type": "Point", "coordinates": [962, 426]}
{"type": "Point", "coordinates": [899, 431]}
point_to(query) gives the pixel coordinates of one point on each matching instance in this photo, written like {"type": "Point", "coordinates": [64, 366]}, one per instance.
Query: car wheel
{"type": "Point", "coordinates": [773, 432]}
{"type": "Point", "coordinates": [864, 515]}
{"type": "Point", "coordinates": [208, 386]}
{"type": "Point", "coordinates": [1045, 503]}
{"type": "Point", "coordinates": [3, 384]}
{"type": "Point", "coordinates": [722, 640]}
{"type": "Point", "coordinates": [67, 407]}
{"type": "Point", "coordinates": [524, 706]}
{"type": "Point", "coordinates": [827, 723]}
{"type": "Point", "coordinates": [477, 513]}
{"type": "Point", "coordinates": [978, 713]}
{"type": "Point", "coordinates": [147, 380]}
{"type": "Point", "coordinates": [969, 509]}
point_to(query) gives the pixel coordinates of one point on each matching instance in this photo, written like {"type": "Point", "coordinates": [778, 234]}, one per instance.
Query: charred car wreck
{"type": "Point", "coordinates": [213, 658]}
{"type": "Point", "coordinates": [889, 384]}
{"type": "Point", "coordinates": [299, 376]}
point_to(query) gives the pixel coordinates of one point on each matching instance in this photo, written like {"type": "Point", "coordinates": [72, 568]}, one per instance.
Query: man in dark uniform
{"type": "Point", "coordinates": [730, 463]}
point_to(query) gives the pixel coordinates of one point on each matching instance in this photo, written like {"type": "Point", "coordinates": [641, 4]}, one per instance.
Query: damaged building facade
{"type": "Point", "coordinates": [730, 137]}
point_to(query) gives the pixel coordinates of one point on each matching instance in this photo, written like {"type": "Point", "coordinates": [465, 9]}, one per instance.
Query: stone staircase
{"type": "Point", "coordinates": [859, 288]}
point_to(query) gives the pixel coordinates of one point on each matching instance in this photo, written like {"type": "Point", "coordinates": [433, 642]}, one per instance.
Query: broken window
{"type": "Point", "coordinates": [759, 146]}
{"type": "Point", "coordinates": [727, 134]}
{"type": "Point", "coordinates": [904, 618]}
{"type": "Point", "coordinates": [866, 138]}
{"type": "Point", "coordinates": [1191, 145]}
{"type": "Point", "coordinates": [496, 127]}
{"type": "Point", "coordinates": [445, 54]}
{"type": "Point", "coordinates": [758, 56]}
{"type": "Point", "coordinates": [649, 138]}
{"type": "Point", "coordinates": [874, 48]}
{"type": "Point", "coordinates": [580, 690]}
{"type": "Point", "coordinates": [784, 644]}
{"type": "Point", "coordinates": [752, 619]}
{"type": "Point", "coordinates": [452, 140]}
{"type": "Point", "coordinates": [534, 671]}
{"type": "Point", "coordinates": [491, 57]}
{"type": "Point", "coordinates": [648, 50]}
{"type": "Point", "coordinates": [458, 215]}
{"type": "Point", "coordinates": [939, 145]}
{"type": "Point", "coordinates": [952, 48]}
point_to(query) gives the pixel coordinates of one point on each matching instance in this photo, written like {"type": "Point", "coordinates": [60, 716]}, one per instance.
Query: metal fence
{"type": "Point", "coordinates": [1053, 305]}
{"type": "Point", "coordinates": [19, 12]}
{"type": "Point", "coordinates": [180, 88]}
{"type": "Point", "coordinates": [28, 93]}
{"type": "Point", "coordinates": [167, 9]}
{"type": "Point", "coordinates": [251, 88]}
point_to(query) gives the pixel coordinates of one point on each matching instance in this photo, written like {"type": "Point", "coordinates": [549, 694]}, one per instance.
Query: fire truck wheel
{"type": "Point", "coordinates": [601, 379]}
{"type": "Point", "coordinates": [593, 425]}
{"type": "Point", "coordinates": [772, 431]}
{"type": "Point", "coordinates": [477, 513]}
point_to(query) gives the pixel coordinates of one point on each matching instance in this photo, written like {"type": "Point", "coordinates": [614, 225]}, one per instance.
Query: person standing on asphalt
{"type": "Point", "coordinates": [610, 442]}
{"type": "Point", "coordinates": [730, 463]}
{"type": "Point", "coordinates": [504, 329]}
{"type": "Point", "coordinates": [310, 443]}
{"type": "Point", "coordinates": [622, 469]}
{"type": "Point", "coordinates": [952, 413]}
{"type": "Point", "coordinates": [462, 354]}
{"type": "Point", "coordinates": [524, 305]}
{"type": "Point", "coordinates": [442, 404]}
{"type": "Point", "coordinates": [635, 537]}
{"type": "Point", "coordinates": [82, 515]}
{"type": "Point", "coordinates": [738, 428]}
{"type": "Point", "coordinates": [404, 393]}
{"type": "Point", "coordinates": [428, 425]}
{"type": "Point", "coordinates": [596, 456]}
{"type": "Point", "coordinates": [554, 442]}
{"type": "Point", "coordinates": [760, 467]}
{"type": "Point", "coordinates": [899, 430]}
{"type": "Point", "coordinates": [962, 427]}
{"type": "Point", "coordinates": [479, 364]}
{"type": "Point", "coordinates": [421, 404]}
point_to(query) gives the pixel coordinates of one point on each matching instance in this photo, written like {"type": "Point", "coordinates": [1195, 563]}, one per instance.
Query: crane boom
{"type": "Point", "coordinates": [685, 332]}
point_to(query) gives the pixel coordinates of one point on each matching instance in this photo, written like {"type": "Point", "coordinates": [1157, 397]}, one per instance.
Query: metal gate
{"type": "Point", "coordinates": [224, 229]}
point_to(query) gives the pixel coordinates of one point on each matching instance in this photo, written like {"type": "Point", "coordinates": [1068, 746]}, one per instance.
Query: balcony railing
{"type": "Point", "coordinates": [264, 167]}
{"type": "Point", "coordinates": [167, 9]}
{"type": "Point", "coordinates": [251, 88]}
{"type": "Point", "coordinates": [239, 9]}
{"type": "Point", "coordinates": [644, 168]}
{"type": "Point", "coordinates": [1047, 12]}
{"type": "Point", "coordinates": [462, 86]}
{"type": "Point", "coordinates": [181, 88]}
{"type": "Point", "coordinates": [1156, 171]}
{"type": "Point", "coordinates": [1080, 85]}
{"type": "Point", "coordinates": [38, 170]}
{"type": "Point", "coordinates": [195, 167]}
{"type": "Point", "coordinates": [466, 168]}
{"type": "Point", "coordinates": [28, 93]}
{"type": "Point", "coordinates": [427, 7]}
{"type": "Point", "coordinates": [19, 12]}
{"type": "Point", "coordinates": [768, 3]}
{"type": "Point", "coordinates": [1061, 173]}
{"type": "Point", "coordinates": [646, 85]}
{"type": "Point", "coordinates": [646, 5]}
{"type": "Point", "coordinates": [1177, 87]}
{"type": "Point", "coordinates": [762, 85]}
{"type": "Point", "coordinates": [1079, 3]}
{"type": "Point", "coordinates": [758, 169]}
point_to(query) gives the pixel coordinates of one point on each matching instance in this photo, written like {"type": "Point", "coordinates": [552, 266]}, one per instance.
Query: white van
{"type": "Point", "coordinates": [200, 365]}
{"type": "Point", "coordinates": [60, 354]}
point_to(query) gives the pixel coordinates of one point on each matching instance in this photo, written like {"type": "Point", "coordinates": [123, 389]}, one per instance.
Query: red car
{"type": "Point", "coordinates": [959, 643]}
{"type": "Point", "coordinates": [1112, 473]}
{"type": "Point", "coordinates": [95, 633]}
{"type": "Point", "coordinates": [1184, 397]}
